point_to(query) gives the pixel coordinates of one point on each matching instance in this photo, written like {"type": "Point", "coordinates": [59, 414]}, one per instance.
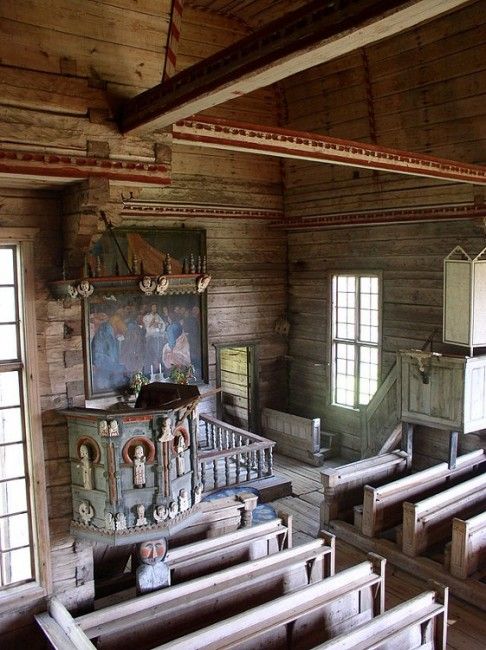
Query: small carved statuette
{"type": "Point", "coordinates": [113, 428]}
{"type": "Point", "coordinates": [72, 291]}
{"type": "Point", "coordinates": [141, 519]}
{"type": "Point", "coordinates": [166, 431]}
{"type": "Point", "coordinates": [147, 285]}
{"type": "Point", "coordinates": [162, 285]}
{"type": "Point", "coordinates": [86, 512]}
{"type": "Point", "coordinates": [85, 289]}
{"type": "Point", "coordinates": [183, 500]}
{"type": "Point", "coordinates": [86, 468]}
{"type": "Point", "coordinates": [173, 510]}
{"type": "Point", "coordinates": [180, 449]}
{"type": "Point", "coordinates": [139, 467]}
{"type": "Point", "coordinates": [103, 428]}
{"type": "Point", "coordinates": [203, 283]}
{"type": "Point", "coordinates": [160, 514]}
{"type": "Point", "coordinates": [198, 493]}
{"type": "Point", "coordinates": [109, 521]}
{"type": "Point", "coordinates": [153, 573]}
{"type": "Point", "coordinates": [120, 521]}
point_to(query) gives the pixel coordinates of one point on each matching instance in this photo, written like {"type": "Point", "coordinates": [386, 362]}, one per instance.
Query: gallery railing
{"type": "Point", "coordinates": [230, 456]}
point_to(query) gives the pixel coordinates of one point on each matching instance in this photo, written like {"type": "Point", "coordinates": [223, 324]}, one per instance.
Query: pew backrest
{"type": "Point", "coordinates": [382, 506]}
{"type": "Point", "coordinates": [318, 611]}
{"type": "Point", "coordinates": [420, 622]}
{"type": "Point", "coordinates": [468, 546]}
{"type": "Point", "coordinates": [199, 558]}
{"type": "Point", "coordinates": [171, 612]}
{"type": "Point", "coordinates": [430, 521]}
{"type": "Point", "coordinates": [343, 486]}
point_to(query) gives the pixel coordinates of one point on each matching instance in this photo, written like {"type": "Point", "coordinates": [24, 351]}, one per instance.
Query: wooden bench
{"type": "Point", "coordinates": [421, 622]}
{"type": "Point", "coordinates": [170, 613]}
{"type": "Point", "coordinates": [430, 521]}
{"type": "Point", "coordinates": [295, 436]}
{"type": "Point", "coordinates": [382, 506]}
{"type": "Point", "coordinates": [467, 551]}
{"type": "Point", "coordinates": [215, 553]}
{"type": "Point", "coordinates": [343, 486]}
{"type": "Point", "coordinates": [301, 619]}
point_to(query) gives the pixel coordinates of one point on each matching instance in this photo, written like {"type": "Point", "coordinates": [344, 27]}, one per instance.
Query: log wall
{"type": "Point", "coordinates": [410, 258]}
{"type": "Point", "coordinates": [418, 91]}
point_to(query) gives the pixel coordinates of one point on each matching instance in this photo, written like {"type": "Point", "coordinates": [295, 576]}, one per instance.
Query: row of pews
{"type": "Point", "coordinates": [251, 589]}
{"type": "Point", "coordinates": [431, 522]}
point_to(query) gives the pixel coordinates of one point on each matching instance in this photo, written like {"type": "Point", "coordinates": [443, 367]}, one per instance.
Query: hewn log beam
{"type": "Point", "coordinates": [402, 215]}
{"type": "Point", "coordinates": [273, 141]}
{"type": "Point", "coordinates": [319, 32]}
{"type": "Point", "coordinates": [21, 163]}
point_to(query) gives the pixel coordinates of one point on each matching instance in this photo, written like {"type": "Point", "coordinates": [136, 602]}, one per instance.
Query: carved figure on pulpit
{"type": "Point", "coordinates": [86, 469]}
{"type": "Point", "coordinates": [109, 521]}
{"type": "Point", "coordinates": [198, 493]}
{"type": "Point", "coordinates": [166, 431]}
{"type": "Point", "coordinates": [120, 521]}
{"type": "Point", "coordinates": [153, 573]}
{"type": "Point", "coordinates": [160, 514]}
{"type": "Point", "coordinates": [173, 510]}
{"type": "Point", "coordinates": [139, 467]}
{"type": "Point", "coordinates": [183, 500]}
{"type": "Point", "coordinates": [180, 448]}
{"type": "Point", "coordinates": [86, 512]}
{"type": "Point", "coordinates": [141, 519]}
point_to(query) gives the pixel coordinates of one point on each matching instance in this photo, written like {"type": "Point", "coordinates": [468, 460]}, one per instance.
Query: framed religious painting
{"type": "Point", "coordinates": [128, 331]}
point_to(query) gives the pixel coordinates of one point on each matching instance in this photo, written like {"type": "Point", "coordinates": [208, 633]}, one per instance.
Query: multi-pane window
{"type": "Point", "coordinates": [355, 334]}
{"type": "Point", "coordinates": [16, 551]}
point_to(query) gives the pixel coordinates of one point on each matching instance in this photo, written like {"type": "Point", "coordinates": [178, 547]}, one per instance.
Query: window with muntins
{"type": "Point", "coordinates": [356, 332]}
{"type": "Point", "coordinates": [16, 538]}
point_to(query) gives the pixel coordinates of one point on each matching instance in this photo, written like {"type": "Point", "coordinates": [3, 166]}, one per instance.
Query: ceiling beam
{"type": "Point", "coordinates": [316, 33]}
{"type": "Point", "coordinates": [301, 145]}
{"type": "Point", "coordinates": [468, 211]}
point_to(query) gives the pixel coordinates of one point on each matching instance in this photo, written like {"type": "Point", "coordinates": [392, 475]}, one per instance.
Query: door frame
{"type": "Point", "coordinates": [253, 373]}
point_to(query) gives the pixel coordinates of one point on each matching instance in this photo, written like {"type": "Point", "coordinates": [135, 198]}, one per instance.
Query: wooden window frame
{"type": "Point", "coordinates": [379, 345]}
{"type": "Point", "coordinates": [15, 596]}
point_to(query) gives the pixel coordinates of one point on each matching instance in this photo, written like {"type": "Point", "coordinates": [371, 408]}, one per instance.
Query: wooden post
{"type": "Point", "coordinates": [407, 438]}
{"type": "Point", "coordinates": [453, 442]}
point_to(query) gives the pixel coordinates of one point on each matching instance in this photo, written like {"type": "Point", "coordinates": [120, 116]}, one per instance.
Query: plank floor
{"type": "Point", "coordinates": [466, 624]}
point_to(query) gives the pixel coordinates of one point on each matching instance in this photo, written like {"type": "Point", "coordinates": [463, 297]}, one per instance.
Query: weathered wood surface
{"type": "Point", "coordinates": [381, 415]}
{"type": "Point", "coordinates": [295, 436]}
{"type": "Point", "coordinates": [382, 506]}
{"type": "Point", "coordinates": [343, 486]}
{"type": "Point", "coordinates": [471, 591]}
{"type": "Point", "coordinates": [307, 617]}
{"type": "Point", "coordinates": [195, 604]}
{"type": "Point", "coordinates": [430, 521]}
{"type": "Point", "coordinates": [468, 546]}
{"type": "Point", "coordinates": [418, 623]}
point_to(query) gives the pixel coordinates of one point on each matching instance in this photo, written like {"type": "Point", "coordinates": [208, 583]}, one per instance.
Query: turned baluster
{"type": "Point", "coordinates": [227, 470]}
{"type": "Point", "coordinates": [213, 436]}
{"type": "Point", "coordinates": [226, 439]}
{"type": "Point", "coordinates": [270, 461]}
{"type": "Point", "coordinates": [206, 427]}
{"type": "Point", "coordinates": [215, 473]}
{"type": "Point", "coordinates": [238, 461]}
{"type": "Point", "coordinates": [203, 474]}
{"type": "Point", "coordinates": [248, 465]}
{"type": "Point", "coordinates": [220, 439]}
{"type": "Point", "coordinates": [260, 454]}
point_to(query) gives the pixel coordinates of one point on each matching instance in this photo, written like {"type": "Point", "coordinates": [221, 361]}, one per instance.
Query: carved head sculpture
{"type": "Point", "coordinates": [83, 452]}
{"type": "Point", "coordinates": [154, 551]}
{"type": "Point", "coordinates": [141, 510]}
{"type": "Point", "coordinates": [138, 452]}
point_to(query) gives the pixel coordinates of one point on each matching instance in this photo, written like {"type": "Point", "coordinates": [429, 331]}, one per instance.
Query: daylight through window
{"type": "Point", "coordinates": [356, 334]}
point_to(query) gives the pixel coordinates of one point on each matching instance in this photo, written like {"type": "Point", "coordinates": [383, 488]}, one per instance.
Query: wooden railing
{"type": "Point", "coordinates": [230, 456]}
{"type": "Point", "coordinates": [380, 419]}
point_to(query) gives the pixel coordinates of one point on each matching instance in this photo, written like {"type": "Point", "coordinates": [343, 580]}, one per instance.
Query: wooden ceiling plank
{"type": "Point", "coordinates": [296, 42]}
{"type": "Point", "coordinates": [287, 143]}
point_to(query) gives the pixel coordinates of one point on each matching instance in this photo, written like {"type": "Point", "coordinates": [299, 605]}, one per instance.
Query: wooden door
{"type": "Point", "coordinates": [236, 375]}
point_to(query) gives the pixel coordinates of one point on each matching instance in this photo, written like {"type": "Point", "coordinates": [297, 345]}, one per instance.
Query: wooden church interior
{"type": "Point", "coordinates": [304, 181]}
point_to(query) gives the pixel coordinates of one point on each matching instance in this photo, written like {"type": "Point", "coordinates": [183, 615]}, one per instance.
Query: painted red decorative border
{"type": "Point", "coordinates": [288, 143]}
{"type": "Point", "coordinates": [35, 163]}
{"type": "Point", "coordinates": [434, 213]}
{"type": "Point", "coordinates": [199, 210]}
